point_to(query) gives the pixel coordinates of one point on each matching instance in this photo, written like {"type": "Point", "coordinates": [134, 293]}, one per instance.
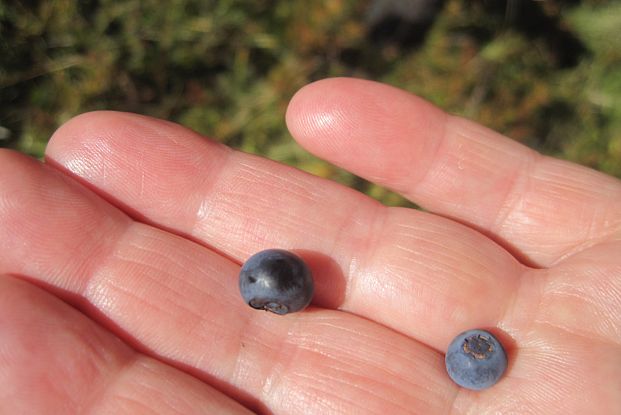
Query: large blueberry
{"type": "Point", "coordinates": [276, 280]}
{"type": "Point", "coordinates": [475, 360]}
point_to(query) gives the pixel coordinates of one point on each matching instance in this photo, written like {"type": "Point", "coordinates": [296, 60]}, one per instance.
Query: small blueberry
{"type": "Point", "coordinates": [475, 360]}
{"type": "Point", "coordinates": [276, 280]}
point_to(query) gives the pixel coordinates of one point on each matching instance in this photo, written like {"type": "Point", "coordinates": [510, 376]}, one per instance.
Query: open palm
{"type": "Point", "coordinates": [138, 226]}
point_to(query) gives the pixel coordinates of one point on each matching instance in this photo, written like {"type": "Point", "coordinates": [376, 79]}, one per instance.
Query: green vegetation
{"type": "Point", "coordinates": [547, 73]}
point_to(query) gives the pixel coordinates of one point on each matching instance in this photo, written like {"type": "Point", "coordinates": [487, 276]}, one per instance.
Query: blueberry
{"type": "Point", "coordinates": [475, 360]}
{"type": "Point", "coordinates": [276, 280]}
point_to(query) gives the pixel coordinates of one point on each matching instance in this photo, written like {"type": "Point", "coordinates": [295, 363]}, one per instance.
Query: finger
{"type": "Point", "coordinates": [53, 360]}
{"type": "Point", "coordinates": [545, 209]}
{"type": "Point", "coordinates": [178, 301]}
{"type": "Point", "coordinates": [418, 273]}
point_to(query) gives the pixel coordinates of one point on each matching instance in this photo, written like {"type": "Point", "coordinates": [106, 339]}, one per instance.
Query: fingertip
{"type": "Point", "coordinates": [87, 143]}
{"type": "Point", "coordinates": [371, 129]}
{"type": "Point", "coordinates": [324, 117]}
{"type": "Point", "coordinates": [327, 111]}
{"type": "Point", "coordinates": [97, 127]}
{"type": "Point", "coordinates": [79, 126]}
{"type": "Point", "coordinates": [319, 108]}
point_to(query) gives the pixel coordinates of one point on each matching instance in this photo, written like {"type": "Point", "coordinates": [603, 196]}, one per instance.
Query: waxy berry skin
{"type": "Point", "coordinates": [476, 360]}
{"type": "Point", "coordinates": [276, 280]}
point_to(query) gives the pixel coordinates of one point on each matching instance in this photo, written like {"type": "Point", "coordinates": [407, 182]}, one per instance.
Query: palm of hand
{"type": "Point", "coordinates": [394, 285]}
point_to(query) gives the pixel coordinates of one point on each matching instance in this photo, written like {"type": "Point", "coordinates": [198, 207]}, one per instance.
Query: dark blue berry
{"type": "Point", "coordinates": [475, 360]}
{"type": "Point", "coordinates": [276, 280]}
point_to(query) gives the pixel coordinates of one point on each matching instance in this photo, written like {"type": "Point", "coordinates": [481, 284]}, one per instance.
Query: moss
{"type": "Point", "coordinates": [545, 73]}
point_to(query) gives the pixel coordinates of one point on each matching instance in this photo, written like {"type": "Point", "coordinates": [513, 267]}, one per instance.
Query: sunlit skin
{"type": "Point", "coordinates": [120, 255]}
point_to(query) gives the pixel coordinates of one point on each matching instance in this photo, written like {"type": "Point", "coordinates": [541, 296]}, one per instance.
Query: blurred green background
{"type": "Point", "coordinates": [546, 73]}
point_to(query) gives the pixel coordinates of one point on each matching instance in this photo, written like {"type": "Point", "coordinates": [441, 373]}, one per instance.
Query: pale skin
{"type": "Point", "coordinates": [139, 226]}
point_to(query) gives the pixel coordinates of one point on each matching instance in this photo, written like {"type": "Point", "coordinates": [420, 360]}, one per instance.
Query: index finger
{"type": "Point", "coordinates": [541, 208]}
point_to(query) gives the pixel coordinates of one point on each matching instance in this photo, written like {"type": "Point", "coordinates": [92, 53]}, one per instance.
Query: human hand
{"type": "Point", "coordinates": [141, 225]}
